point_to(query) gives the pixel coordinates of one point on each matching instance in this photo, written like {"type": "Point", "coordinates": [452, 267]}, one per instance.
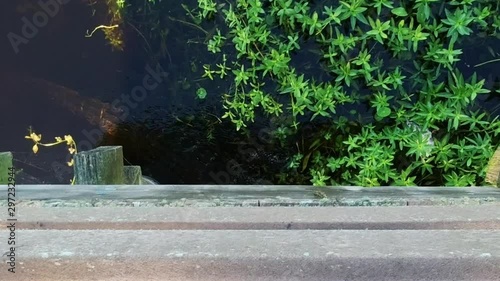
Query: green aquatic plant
{"type": "Point", "coordinates": [379, 80]}
{"type": "Point", "coordinates": [201, 93]}
{"type": "Point", "coordinates": [422, 127]}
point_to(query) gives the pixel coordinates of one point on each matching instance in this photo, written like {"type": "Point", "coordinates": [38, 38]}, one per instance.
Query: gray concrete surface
{"type": "Point", "coordinates": [245, 195]}
{"type": "Point", "coordinates": [257, 255]}
{"type": "Point", "coordinates": [139, 234]}
{"type": "Point", "coordinates": [273, 243]}
{"type": "Point", "coordinates": [227, 218]}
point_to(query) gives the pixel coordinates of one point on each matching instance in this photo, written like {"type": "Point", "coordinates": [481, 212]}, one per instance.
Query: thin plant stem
{"type": "Point", "coordinates": [486, 62]}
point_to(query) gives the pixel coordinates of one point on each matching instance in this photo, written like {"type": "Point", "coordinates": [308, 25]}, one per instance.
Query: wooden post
{"type": "Point", "coordinates": [5, 164]}
{"type": "Point", "coordinates": [132, 174]}
{"type": "Point", "coordinates": [102, 165]}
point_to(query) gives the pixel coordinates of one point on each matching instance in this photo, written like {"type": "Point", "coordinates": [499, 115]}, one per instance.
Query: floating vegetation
{"type": "Point", "coordinates": [367, 92]}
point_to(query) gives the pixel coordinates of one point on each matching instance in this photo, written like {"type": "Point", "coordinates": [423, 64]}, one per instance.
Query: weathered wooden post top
{"type": "Point", "coordinates": [5, 164]}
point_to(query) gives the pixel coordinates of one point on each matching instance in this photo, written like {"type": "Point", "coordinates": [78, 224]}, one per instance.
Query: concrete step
{"type": "Point", "coordinates": [273, 243]}
{"type": "Point", "coordinates": [485, 217]}
{"type": "Point", "coordinates": [256, 255]}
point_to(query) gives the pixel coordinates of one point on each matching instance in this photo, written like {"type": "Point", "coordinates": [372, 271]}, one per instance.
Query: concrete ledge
{"type": "Point", "coordinates": [232, 218]}
{"type": "Point", "coordinates": [256, 255]}
{"type": "Point", "coordinates": [246, 195]}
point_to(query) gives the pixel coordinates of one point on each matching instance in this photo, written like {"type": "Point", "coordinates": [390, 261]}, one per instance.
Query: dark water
{"type": "Point", "coordinates": [175, 138]}
{"type": "Point", "coordinates": [171, 135]}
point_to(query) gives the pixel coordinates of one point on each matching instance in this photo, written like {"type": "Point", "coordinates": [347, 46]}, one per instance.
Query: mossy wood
{"type": "Point", "coordinates": [5, 164]}
{"type": "Point", "coordinates": [493, 169]}
{"type": "Point", "coordinates": [103, 165]}
{"type": "Point", "coordinates": [132, 174]}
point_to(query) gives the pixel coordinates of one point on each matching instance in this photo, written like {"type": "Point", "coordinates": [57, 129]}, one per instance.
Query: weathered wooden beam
{"type": "Point", "coordinates": [102, 165]}
{"type": "Point", "coordinates": [93, 110]}
{"type": "Point", "coordinates": [132, 174]}
{"type": "Point", "coordinates": [5, 164]}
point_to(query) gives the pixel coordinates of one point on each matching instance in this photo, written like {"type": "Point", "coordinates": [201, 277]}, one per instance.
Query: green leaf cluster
{"type": "Point", "coordinates": [420, 124]}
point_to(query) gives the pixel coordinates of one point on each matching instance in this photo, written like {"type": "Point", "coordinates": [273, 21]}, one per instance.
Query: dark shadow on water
{"type": "Point", "coordinates": [198, 150]}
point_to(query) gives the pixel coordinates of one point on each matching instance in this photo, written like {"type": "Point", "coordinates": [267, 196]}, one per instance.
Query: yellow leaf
{"type": "Point", "coordinates": [35, 148]}
{"type": "Point", "coordinates": [70, 163]}
{"type": "Point", "coordinates": [58, 139]}
{"type": "Point", "coordinates": [36, 137]}
{"type": "Point", "coordinates": [71, 150]}
{"type": "Point", "coordinates": [68, 139]}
